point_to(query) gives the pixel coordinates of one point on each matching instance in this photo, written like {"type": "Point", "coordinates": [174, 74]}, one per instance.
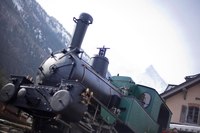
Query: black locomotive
{"type": "Point", "coordinates": [71, 95]}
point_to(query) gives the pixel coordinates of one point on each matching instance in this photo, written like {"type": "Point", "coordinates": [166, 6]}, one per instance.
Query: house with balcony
{"type": "Point", "coordinates": [184, 102]}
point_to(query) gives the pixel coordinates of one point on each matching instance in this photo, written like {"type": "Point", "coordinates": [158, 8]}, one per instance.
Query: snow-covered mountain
{"type": "Point", "coordinates": [31, 10]}
{"type": "Point", "coordinates": [27, 36]}
{"type": "Point", "coordinates": [152, 79]}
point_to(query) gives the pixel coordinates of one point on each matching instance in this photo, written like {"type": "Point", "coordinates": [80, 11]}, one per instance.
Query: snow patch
{"type": "Point", "coordinates": [18, 4]}
{"type": "Point", "coordinates": [50, 50]}
{"type": "Point", "coordinates": [38, 33]}
{"type": "Point", "coordinates": [152, 79]}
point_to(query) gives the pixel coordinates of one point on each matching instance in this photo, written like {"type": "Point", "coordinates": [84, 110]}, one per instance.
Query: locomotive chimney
{"type": "Point", "coordinates": [79, 33]}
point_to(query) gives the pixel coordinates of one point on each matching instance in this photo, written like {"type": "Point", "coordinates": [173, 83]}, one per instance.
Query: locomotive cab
{"type": "Point", "coordinates": [139, 103]}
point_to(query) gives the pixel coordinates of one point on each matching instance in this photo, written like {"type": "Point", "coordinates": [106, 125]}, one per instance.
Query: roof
{"type": "Point", "coordinates": [174, 89]}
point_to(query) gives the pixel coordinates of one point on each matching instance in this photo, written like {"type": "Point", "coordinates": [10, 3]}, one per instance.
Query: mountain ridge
{"type": "Point", "coordinates": [27, 36]}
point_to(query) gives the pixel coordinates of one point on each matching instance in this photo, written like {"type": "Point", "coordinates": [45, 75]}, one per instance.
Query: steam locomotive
{"type": "Point", "coordinates": [71, 95]}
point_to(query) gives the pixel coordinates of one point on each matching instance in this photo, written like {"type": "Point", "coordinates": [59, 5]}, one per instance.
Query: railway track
{"type": "Point", "coordinates": [12, 127]}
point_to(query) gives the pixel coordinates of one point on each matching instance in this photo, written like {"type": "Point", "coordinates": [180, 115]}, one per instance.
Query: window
{"type": "Point", "coordinates": [190, 114]}
{"type": "Point", "coordinates": [145, 99]}
{"type": "Point", "coordinates": [193, 114]}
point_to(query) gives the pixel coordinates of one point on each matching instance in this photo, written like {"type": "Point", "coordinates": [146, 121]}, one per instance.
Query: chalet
{"type": "Point", "coordinates": [184, 102]}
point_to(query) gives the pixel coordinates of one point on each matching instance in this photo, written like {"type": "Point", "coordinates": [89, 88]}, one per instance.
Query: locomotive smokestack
{"type": "Point", "coordinates": [79, 33]}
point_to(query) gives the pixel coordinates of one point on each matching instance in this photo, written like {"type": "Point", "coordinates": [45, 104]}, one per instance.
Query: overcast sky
{"type": "Point", "coordinates": [139, 33]}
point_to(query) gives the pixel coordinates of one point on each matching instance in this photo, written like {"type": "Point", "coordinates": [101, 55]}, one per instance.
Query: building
{"type": "Point", "coordinates": [184, 102]}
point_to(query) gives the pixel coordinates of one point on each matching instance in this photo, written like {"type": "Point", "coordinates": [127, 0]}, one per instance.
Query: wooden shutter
{"type": "Point", "coordinates": [183, 114]}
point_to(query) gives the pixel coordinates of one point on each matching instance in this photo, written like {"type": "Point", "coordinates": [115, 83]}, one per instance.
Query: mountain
{"type": "Point", "coordinates": [152, 79]}
{"type": "Point", "coordinates": [27, 36]}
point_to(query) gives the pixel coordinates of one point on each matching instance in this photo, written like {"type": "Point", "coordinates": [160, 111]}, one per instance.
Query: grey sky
{"type": "Point", "coordinates": [186, 13]}
{"type": "Point", "coordinates": [140, 33]}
